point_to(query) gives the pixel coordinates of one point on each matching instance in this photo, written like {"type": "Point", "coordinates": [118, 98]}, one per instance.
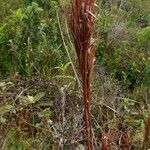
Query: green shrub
{"type": "Point", "coordinates": [29, 41]}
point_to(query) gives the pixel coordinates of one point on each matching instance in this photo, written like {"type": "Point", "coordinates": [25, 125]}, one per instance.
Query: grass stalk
{"type": "Point", "coordinates": [81, 25]}
{"type": "Point", "coordinates": [146, 134]}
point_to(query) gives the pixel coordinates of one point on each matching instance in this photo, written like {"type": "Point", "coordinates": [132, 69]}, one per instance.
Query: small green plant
{"type": "Point", "coordinates": [147, 73]}
{"type": "Point", "coordinates": [14, 143]}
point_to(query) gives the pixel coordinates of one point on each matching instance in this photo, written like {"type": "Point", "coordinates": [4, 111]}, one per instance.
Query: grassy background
{"type": "Point", "coordinates": [40, 102]}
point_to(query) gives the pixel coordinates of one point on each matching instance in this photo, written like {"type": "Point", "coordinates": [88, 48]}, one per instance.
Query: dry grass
{"type": "Point", "coordinates": [81, 24]}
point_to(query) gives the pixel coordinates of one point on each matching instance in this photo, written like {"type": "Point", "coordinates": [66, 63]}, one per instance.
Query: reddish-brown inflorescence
{"type": "Point", "coordinates": [81, 25]}
{"type": "Point", "coordinates": [146, 134]}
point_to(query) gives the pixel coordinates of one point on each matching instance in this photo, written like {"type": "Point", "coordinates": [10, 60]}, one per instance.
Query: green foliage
{"type": "Point", "coordinates": [28, 41]}
{"type": "Point", "coordinates": [26, 112]}
{"type": "Point", "coordinates": [147, 73]}
{"type": "Point", "coordinates": [27, 100]}
{"type": "Point", "coordinates": [13, 143]}
{"type": "Point", "coordinates": [124, 41]}
{"type": "Point", "coordinates": [144, 35]}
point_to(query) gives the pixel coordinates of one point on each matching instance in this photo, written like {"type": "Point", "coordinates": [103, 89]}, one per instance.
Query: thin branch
{"type": "Point", "coordinates": [67, 51]}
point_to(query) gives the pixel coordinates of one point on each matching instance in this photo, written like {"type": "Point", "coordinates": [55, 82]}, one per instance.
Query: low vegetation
{"type": "Point", "coordinates": [40, 96]}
